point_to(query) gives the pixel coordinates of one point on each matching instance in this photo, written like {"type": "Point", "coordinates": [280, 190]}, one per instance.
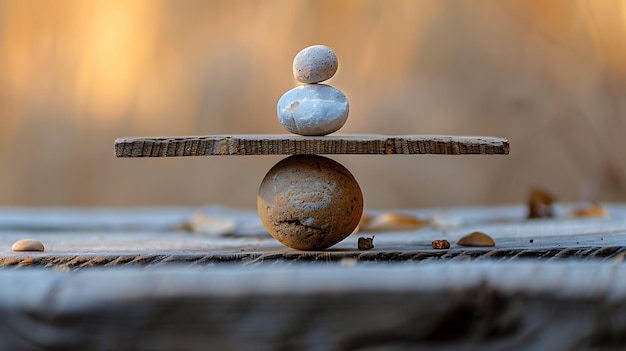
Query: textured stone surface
{"type": "Point", "coordinates": [313, 109]}
{"type": "Point", "coordinates": [315, 64]}
{"type": "Point", "coordinates": [309, 202]}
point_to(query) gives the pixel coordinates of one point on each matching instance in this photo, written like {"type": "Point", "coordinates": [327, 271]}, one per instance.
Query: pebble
{"type": "Point", "coordinates": [365, 243]}
{"type": "Point", "coordinates": [440, 244]}
{"type": "Point", "coordinates": [476, 239]}
{"type": "Point", "coordinates": [540, 204]}
{"type": "Point", "coordinates": [309, 202]}
{"type": "Point", "coordinates": [313, 109]}
{"type": "Point", "coordinates": [391, 222]}
{"type": "Point", "coordinates": [315, 64]}
{"type": "Point", "coordinates": [593, 210]}
{"type": "Point", "coordinates": [27, 245]}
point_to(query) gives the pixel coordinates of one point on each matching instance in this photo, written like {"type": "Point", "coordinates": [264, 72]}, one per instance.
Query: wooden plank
{"type": "Point", "coordinates": [245, 257]}
{"type": "Point", "coordinates": [490, 305]}
{"type": "Point", "coordinates": [75, 238]}
{"type": "Point", "coordinates": [244, 291]}
{"type": "Point", "coordinates": [290, 144]}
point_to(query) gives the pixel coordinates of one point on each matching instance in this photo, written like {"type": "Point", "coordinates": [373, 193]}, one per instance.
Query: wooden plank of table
{"type": "Point", "coordinates": [245, 291]}
{"type": "Point", "coordinates": [290, 144]}
{"type": "Point", "coordinates": [75, 238]}
{"type": "Point", "coordinates": [487, 305]}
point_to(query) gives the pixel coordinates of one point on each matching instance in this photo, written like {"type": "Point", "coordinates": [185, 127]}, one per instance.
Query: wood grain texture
{"type": "Point", "coordinates": [76, 238]}
{"type": "Point", "coordinates": [72, 261]}
{"type": "Point", "coordinates": [127, 279]}
{"type": "Point", "coordinates": [287, 144]}
{"type": "Point", "coordinates": [489, 305]}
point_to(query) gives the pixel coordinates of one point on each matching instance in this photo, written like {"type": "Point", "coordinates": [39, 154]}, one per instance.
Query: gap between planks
{"type": "Point", "coordinates": [287, 144]}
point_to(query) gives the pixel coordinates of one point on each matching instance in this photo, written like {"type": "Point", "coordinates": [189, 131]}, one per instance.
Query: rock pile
{"type": "Point", "coordinates": [310, 202]}
{"type": "Point", "coordinates": [312, 108]}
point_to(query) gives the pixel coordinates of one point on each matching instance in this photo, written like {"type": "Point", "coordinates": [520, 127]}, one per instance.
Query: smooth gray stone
{"type": "Point", "coordinates": [313, 109]}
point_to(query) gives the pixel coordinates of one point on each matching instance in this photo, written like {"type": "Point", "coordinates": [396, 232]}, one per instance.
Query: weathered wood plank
{"type": "Point", "coordinates": [289, 144]}
{"type": "Point", "coordinates": [75, 238]}
{"type": "Point", "coordinates": [455, 306]}
{"type": "Point", "coordinates": [258, 295]}
{"type": "Point", "coordinates": [245, 257]}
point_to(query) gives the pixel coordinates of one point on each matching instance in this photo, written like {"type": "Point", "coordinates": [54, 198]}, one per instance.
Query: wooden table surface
{"type": "Point", "coordinates": [73, 236]}
{"type": "Point", "coordinates": [129, 279]}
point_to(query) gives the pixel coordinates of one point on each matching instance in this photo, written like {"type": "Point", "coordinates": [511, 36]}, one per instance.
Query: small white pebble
{"type": "Point", "coordinates": [313, 109]}
{"type": "Point", "coordinates": [27, 245]}
{"type": "Point", "coordinates": [315, 64]}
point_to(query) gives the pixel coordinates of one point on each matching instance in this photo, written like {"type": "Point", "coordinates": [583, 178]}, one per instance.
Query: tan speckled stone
{"type": "Point", "coordinates": [309, 202]}
{"type": "Point", "coordinates": [27, 245]}
{"type": "Point", "coordinates": [315, 64]}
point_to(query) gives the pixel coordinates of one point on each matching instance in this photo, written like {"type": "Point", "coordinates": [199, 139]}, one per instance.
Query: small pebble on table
{"type": "Point", "coordinates": [27, 245]}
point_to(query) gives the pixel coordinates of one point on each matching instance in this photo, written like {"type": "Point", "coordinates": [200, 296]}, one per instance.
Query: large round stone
{"type": "Point", "coordinates": [309, 202]}
{"type": "Point", "coordinates": [313, 109]}
{"type": "Point", "coordinates": [315, 64]}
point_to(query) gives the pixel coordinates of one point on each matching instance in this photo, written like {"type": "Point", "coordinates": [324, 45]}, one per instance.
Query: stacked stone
{"type": "Point", "coordinates": [310, 202]}
{"type": "Point", "coordinates": [313, 108]}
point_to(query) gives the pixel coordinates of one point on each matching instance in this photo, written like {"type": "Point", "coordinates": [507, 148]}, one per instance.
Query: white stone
{"type": "Point", "coordinates": [313, 109]}
{"type": "Point", "coordinates": [315, 64]}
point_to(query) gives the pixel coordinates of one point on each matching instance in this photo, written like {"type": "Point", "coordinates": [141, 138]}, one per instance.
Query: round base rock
{"type": "Point", "coordinates": [309, 202]}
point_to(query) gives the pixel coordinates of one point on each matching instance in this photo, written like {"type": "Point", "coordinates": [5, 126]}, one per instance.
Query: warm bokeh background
{"type": "Point", "coordinates": [548, 74]}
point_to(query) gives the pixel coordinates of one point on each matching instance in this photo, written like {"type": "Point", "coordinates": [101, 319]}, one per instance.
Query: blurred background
{"type": "Point", "coordinates": [550, 75]}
